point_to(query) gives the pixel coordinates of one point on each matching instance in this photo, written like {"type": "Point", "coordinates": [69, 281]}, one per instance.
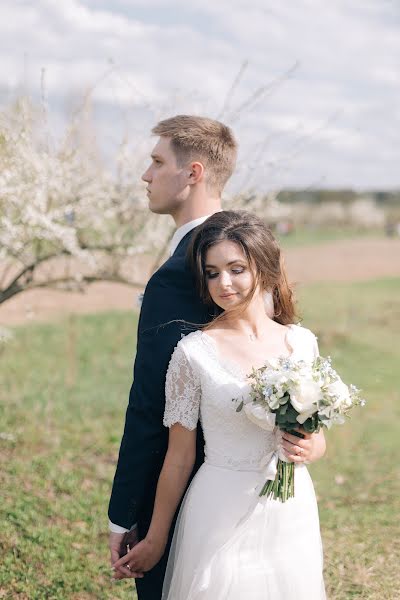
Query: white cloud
{"type": "Point", "coordinates": [169, 56]}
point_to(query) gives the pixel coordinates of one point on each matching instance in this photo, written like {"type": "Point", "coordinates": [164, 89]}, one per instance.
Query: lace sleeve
{"type": "Point", "coordinates": [182, 392]}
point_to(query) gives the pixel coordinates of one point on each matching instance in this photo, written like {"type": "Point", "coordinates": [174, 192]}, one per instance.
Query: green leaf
{"type": "Point", "coordinates": [239, 408]}
{"type": "Point", "coordinates": [291, 415]}
{"type": "Point", "coordinates": [281, 419]}
{"type": "Point", "coordinates": [309, 426]}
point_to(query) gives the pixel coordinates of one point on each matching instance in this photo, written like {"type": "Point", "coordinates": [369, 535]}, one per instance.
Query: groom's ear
{"type": "Point", "coordinates": [195, 172]}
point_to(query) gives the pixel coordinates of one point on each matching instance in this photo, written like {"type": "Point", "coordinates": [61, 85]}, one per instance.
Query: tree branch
{"type": "Point", "coordinates": [17, 289]}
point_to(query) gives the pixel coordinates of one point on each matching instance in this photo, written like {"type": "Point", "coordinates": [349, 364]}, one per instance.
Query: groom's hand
{"type": "Point", "coordinates": [117, 550]}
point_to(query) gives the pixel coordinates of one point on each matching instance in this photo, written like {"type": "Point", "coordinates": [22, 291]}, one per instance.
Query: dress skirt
{"type": "Point", "coordinates": [230, 544]}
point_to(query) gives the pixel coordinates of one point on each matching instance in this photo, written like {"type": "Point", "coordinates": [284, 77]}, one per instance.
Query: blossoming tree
{"type": "Point", "coordinates": [65, 220]}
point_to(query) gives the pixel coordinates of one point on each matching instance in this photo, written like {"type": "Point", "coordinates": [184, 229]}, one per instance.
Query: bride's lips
{"type": "Point", "coordinates": [228, 295]}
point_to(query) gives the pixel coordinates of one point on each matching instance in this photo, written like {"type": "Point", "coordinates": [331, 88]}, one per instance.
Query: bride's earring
{"type": "Point", "coordinates": [269, 304]}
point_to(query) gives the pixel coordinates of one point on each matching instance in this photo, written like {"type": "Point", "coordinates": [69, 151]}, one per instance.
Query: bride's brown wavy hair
{"type": "Point", "coordinates": [263, 255]}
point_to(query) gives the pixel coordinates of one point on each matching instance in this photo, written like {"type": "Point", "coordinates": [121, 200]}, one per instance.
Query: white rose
{"type": "Point", "coordinates": [272, 377]}
{"type": "Point", "coordinates": [259, 416]}
{"type": "Point", "coordinates": [341, 390]}
{"type": "Point", "coordinates": [305, 398]}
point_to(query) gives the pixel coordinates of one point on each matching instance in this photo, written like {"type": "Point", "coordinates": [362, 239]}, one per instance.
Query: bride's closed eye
{"type": "Point", "coordinates": [238, 270]}
{"type": "Point", "coordinates": [235, 271]}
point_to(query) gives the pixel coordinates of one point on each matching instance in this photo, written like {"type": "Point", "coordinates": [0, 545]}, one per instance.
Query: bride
{"type": "Point", "coordinates": [230, 543]}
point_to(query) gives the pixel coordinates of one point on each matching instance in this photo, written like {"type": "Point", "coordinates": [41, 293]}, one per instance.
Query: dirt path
{"type": "Point", "coordinates": [347, 260]}
{"type": "Point", "coordinates": [350, 260]}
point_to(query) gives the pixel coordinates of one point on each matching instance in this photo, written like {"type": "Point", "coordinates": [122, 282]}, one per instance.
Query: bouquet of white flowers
{"type": "Point", "coordinates": [286, 393]}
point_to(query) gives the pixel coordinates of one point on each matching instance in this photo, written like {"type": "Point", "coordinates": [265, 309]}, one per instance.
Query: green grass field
{"type": "Point", "coordinates": [311, 236]}
{"type": "Point", "coordinates": [64, 389]}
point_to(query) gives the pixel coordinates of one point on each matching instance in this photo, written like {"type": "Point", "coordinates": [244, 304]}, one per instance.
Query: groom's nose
{"type": "Point", "coordinates": [146, 176]}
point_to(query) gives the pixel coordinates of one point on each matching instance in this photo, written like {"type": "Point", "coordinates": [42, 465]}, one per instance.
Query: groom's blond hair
{"type": "Point", "coordinates": [205, 140]}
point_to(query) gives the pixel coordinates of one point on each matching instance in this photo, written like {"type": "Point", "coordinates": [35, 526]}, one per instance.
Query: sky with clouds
{"type": "Point", "coordinates": [310, 87]}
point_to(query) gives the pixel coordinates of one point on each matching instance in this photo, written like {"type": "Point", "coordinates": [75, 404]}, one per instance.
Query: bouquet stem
{"type": "Point", "coordinates": [282, 487]}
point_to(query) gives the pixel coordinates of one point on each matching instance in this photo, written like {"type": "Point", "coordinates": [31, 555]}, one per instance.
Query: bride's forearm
{"type": "Point", "coordinates": [170, 489]}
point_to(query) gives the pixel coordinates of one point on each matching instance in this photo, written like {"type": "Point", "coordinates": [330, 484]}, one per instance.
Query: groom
{"type": "Point", "coordinates": [191, 163]}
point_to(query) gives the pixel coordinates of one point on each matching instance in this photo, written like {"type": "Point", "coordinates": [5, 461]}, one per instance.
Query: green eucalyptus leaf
{"type": "Point", "coordinates": [292, 415]}
{"type": "Point", "coordinates": [309, 426]}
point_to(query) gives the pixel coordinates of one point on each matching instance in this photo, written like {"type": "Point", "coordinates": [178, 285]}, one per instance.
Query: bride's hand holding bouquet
{"type": "Point", "coordinates": [286, 394]}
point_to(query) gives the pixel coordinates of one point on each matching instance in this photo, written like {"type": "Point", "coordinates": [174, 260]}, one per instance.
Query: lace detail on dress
{"type": "Point", "coordinates": [197, 371]}
{"type": "Point", "coordinates": [182, 391]}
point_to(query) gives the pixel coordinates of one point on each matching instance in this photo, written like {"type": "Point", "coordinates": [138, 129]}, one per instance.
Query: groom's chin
{"type": "Point", "coordinates": [158, 210]}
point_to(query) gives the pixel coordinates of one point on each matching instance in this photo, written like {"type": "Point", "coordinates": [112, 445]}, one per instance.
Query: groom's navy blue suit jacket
{"type": "Point", "coordinates": [169, 295]}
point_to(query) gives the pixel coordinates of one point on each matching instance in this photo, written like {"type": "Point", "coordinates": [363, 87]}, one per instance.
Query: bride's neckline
{"type": "Point", "coordinates": [235, 368]}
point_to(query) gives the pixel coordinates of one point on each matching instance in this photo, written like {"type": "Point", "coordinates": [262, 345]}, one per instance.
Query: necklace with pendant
{"type": "Point", "coordinates": [252, 337]}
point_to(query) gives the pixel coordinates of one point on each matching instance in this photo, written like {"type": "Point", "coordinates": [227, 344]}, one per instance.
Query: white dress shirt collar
{"type": "Point", "coordinates": [183, 230]}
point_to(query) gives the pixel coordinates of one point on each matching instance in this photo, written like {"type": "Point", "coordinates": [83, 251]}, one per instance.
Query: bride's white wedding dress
{"type": "Point", "coordinates": [230, 544]}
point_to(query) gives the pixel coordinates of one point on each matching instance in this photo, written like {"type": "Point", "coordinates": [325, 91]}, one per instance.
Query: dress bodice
{"type": "Point", "coordinates": [201, 384]}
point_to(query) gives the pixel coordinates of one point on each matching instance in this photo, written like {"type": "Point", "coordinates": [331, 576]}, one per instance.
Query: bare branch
{"type": "Point", "coordinates": [232, 89]}
{"type": "Point", "coordinates": [261, 93]}
{"type": "Point", "coordinates": [69, 283]}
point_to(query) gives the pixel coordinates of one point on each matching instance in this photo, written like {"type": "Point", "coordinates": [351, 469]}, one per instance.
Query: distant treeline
{"type": "Point", "coordinates": [386, 198]}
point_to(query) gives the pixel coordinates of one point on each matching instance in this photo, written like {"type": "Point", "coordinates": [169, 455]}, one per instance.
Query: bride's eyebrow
{"type": "Point", "coordinates": [232, 262]}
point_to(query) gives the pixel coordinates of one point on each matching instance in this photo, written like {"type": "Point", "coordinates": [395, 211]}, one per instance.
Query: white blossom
{"type": "Point", "coordinates": [60, 201]}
